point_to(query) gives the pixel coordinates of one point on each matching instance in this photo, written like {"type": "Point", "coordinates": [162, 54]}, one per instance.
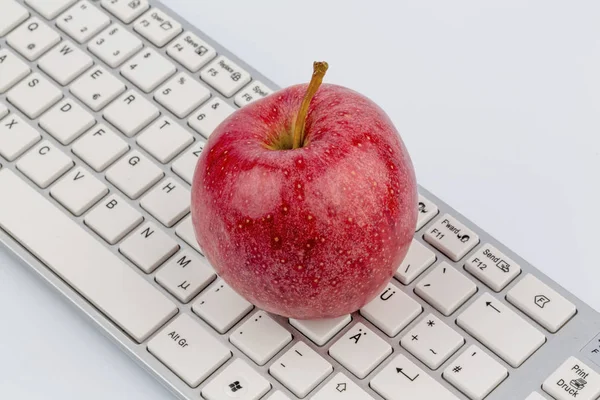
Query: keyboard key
{"type": "Point", "coordinates": [340, 387]}
{"type": "Point", "coordinates": [134, 174]}
{"type": "Point", "coordinates": [96, 88]}
{"type": "Point", "coordinates": [186, 164]}
{"type": "Point", "coordinates": [65, 62]}
{"type": "Point", "coordinates": [451, 237]}
{"type": "Point", "coordinates": [501, 330]}
{"type": "Point", "coordinates": [360, 350]}
{"type": "Point", "coordinates": [182, 95]}
{"type": "Point", "coordinates": [82, 21]}
{"type": "Point", "coordinates": [131, 113]}
{"type": "Point", "coordinates": [49, 9]}
{"type": "Point", "coordinates": [44, 164]}
{"type": "Point", "coordinates": [401, 380]}
{"type": "Point", "coordinates": [445, 288]}
{"type": "Point", "coordinates": [417, 260]}
{"type": "Point", "coordinates": [113, 218]}
{"type": "Point", "coordinates": [573, 380]}
{"type": "Point", "coordinates": [164, 139]}
{"type": "Point", "coordinates": [427, 210]}
{"type": "Point", "coordinates": [260, 338]}
{"type": "Point", "coordinates": [392, 310]}
{"type": "Point", "coordinates": [3, 111]}
{"type": "Point", "coordinates": [185, 230]}
{"type": "Point", "coordinates": [189, 350]}
{"type": "Point", "coordinates": [239, 381]}
{"type": "Point", "coordinates": [254, 91]}
{"type": "Point", "coordinates": [209, 116]}
{"type": "Point", "coordinates": [432, 341]}
{"type": "Point", "coordinates": [221, 307]}
{"type": "Point", "coordinates": [492, 267]}
{"type": "Point", "coordinates": [12, 15]}
{"type": "Point", "coordinates": [185, 275]}
{"type": "Point", "coordinates": [543, 304]}
{"type": "Point", "coordinates": [78, 191]}
{"type": "Point", "coordinates": [148, 247]}
{"type": "Point", "coordinates": [126, 10]}
{"type": "Point", "coordinates": [115, 45]}
{"type": "Point", "coordinates": [157, 27]}
{"type": "Point", "coordinates": [168, 202]}
{"type": "Point", "coordinates": [191, 51]}
{"type": "Point", "coordinates": [67, 121]}
{"type": "Point", "coordinates": [225, 76]}
{"type": "Point", "coordinates": [12, 70]}
{"type": "Point", "coordinates": [34, 95]}
{"type": "Point", "coordinates": [475, 373]}
{"type": "Point", "coordinates": [148, 69]}
{"type": "Point", "coordinates": [100, 147]}
{"type": "Point", "coordinates": [300, 369]}
{"type": "Point", "coordinates": [16, 136]}
{"type": "Point", "coordinates": [321, 331]}
{"type": "Point", "coordinates": [80, 260]}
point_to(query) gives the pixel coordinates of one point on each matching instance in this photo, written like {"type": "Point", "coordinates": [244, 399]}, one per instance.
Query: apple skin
{"type": "Point", "coordinates": [314, 232]}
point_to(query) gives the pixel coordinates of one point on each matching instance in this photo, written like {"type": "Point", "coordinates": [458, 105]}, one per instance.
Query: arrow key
{"type": "Point", "coordinates": [401, 379]}
{"type": "Point", "coordinates": [341, 388]}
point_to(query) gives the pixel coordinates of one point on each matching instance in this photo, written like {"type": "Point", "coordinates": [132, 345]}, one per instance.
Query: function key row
{"type": "Point", "coordinates": [125, 10]}
{"type": "Point", "coordinates": [158, 27]}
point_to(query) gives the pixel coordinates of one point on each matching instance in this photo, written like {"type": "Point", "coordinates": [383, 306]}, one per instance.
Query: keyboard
{"type": "Point", "coordinates": [105, 107]}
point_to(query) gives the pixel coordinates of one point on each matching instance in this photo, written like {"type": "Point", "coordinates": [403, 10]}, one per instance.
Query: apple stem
{"type": "Point", "coordinates": [319, 70]}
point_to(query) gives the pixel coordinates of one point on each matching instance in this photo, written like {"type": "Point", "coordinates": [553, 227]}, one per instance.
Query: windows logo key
{"type": "Point", "coordinates": [235, 386]}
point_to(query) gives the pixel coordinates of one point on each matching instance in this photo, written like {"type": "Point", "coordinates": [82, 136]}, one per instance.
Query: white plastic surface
{"type": "Point", "coordinates": [535, 142]}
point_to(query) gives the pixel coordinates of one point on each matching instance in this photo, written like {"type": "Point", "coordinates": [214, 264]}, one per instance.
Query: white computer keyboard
{"type": "Point", "coordinates": [104, 110]}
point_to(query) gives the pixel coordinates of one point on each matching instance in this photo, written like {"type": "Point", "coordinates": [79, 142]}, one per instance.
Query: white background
{"type": "Point", "coordinates": [498, 102]}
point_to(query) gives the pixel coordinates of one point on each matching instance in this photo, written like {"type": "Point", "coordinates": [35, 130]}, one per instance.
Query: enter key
{"type": "Point", "coordinates": [401, 379]}
{"type": "Point", "coordinates": [573, 380]}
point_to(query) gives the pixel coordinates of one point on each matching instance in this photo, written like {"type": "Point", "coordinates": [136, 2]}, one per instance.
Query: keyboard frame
{"type": "Point", "coordinates": [569, 341]}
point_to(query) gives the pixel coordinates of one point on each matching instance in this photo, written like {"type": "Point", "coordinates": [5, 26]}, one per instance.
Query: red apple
{"type": "Point", "coordinates": [305, 202]}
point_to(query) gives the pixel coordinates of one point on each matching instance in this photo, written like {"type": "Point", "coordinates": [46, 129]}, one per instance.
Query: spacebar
{"type": "Point", "coordinates": [82, 261]}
